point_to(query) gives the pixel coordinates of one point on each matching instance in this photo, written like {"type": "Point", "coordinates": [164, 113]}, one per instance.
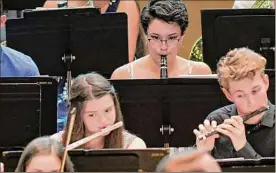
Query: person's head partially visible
{"type": "Point", "coordinates": [43, 154]}
{"type": "Point", "coordinates": [164, 23]}
{"type": "Point", "coordinates": [243, 80]}
{"type": "Point", "coordinates": [189, 161]}
{"type": "Point", "coordinates": [3, 17]}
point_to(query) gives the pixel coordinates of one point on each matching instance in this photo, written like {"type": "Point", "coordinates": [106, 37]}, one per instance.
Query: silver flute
{"type": "Point", "coordinates": [245, 118]}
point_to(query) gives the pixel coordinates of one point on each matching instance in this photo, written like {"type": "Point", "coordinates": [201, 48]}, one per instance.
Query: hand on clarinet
{"type": "Point", "coordinates": [205, 128]}
{"type": "Point", "coordinates": [235, 130]}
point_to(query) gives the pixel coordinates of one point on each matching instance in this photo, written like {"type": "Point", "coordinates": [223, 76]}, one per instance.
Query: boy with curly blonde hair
{"type": "Point", "coordinates": [243, 81]}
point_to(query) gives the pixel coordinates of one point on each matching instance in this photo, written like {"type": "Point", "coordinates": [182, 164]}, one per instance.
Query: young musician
{"type": "Point", "coordinates": [12, 62]}
{"type": "Point", "coordinates": [189, 161]}
{"type": "Point", "coordinates": [243, 81]}
{"type": "Point", "coordinates": [164, 24]}
{"type": "Point", "coordinates": [43, 154]}
{"type": "Point", "coordinates": [97, 107]}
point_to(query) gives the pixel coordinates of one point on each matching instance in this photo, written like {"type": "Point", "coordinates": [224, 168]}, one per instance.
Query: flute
{"type": "Point", "coordinates": [245, 118]}
{"type": "Point", "coordinates": [163, 67]}
{"type": "Point", "coordinates": [93, 136]}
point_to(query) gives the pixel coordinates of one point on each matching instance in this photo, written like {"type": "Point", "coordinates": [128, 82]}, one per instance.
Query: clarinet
{"type": "Point", "coordinates": [163, 67]}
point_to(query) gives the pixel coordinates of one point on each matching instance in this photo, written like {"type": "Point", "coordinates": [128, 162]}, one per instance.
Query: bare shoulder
{"type": "Point", "coordinates": [128, 6]}
{"type": "Point", "coordinates": [121, 72]}
{"type": "Point", "coordinates": [132, 11]}
{"type": "Point", "coordinates": [200, 68]}
{"type": "Point", "coordinates": [50, 4]}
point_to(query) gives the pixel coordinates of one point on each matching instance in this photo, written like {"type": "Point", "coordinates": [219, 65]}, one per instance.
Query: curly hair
{"type": "Point", "coordinates": [238, 64]}
{"type": "Point", "coordinates": [170, 11]}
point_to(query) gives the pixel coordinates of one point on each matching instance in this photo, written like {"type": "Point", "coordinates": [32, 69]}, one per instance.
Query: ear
{"type": "Point", "coordinates": [181, 38]}
{"type": "Point", "coordinates": [266, 81]}
{"type": "Point", "coordinates": [3, 20]}
{"type": "Point", "coordinates": [227, 94]}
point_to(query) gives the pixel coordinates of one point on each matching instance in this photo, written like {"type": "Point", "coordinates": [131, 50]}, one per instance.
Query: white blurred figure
{"type": "Point", "coordinates": [189, 161]}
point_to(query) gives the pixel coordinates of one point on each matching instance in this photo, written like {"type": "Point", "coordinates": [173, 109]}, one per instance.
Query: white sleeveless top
{"type": "Point", "coordinates": [131, 70]}
{"type": "Point", "coordinates": [128, 138]}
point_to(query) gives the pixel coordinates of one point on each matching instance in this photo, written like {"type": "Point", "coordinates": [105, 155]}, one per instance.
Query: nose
{"type": "Point", "coordinates": [250, 101]}
{"type": "Point", "coordinates": [103, 122]}
{"type": "Point", "coordinates": [164, 45]}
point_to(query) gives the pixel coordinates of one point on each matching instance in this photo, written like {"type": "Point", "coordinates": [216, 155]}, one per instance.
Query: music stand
{"type": "Point", "coordinates": [30, 104]}
{"type": "Point", "coordinates": [167, 111]}
{"type": "Point", "coordinates": [71, 44]}
{"type": "Point", "coordinates": [264, 164]}
{"type": "Point", "coordinates": [252, 28]}
{"type": "Point", "coordinates": [53, 12]}
{"type": "Point", "coordinates": [21, 5]}
{"type": "Point", "coordinates": [105, 160]}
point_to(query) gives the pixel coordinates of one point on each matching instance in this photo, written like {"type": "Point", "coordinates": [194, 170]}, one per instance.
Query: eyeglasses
{"type": "Point", "coordinates": [172, 40]}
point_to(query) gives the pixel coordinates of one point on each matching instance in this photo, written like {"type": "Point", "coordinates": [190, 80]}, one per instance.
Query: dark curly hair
{"type": "Point", "coordinates": [170, 11]}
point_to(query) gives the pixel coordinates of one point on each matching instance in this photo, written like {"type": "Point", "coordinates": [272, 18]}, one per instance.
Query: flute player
{"type": "Point", "coordinates": [97, 107]}
{"type": "Point", "coordinates": [243, 81]}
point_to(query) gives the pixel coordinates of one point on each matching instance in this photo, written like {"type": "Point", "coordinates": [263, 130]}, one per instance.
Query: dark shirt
{"type": "Point", "coordinates": [260, 138]}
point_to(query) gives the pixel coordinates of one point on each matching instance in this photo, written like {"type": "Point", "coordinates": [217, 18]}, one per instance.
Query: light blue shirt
{"type": "Point", "coordinates": [16, 64]}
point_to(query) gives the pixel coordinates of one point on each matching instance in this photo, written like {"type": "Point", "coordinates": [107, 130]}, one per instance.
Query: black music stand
{"type": "Point", "coordinates": [252, 28]}
{"type": "Point", "coordinates": [106, 160]}
{"type": "Point", "coordinates": [21, 5]}
{"type": "Point", "coordinates": [75, 41]}
{"type": "Point", "coordinates": [27, 110]}
{"type": "Point", "coordinates": [164, 112]}
{"type": "Point", "coordinates": [265, 164]}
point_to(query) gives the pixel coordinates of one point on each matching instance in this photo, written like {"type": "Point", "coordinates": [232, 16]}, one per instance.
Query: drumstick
{"type": "Point", "coordinates": [93, 136]}
{"type": "Point", "coordinates": [68, 138]}
{"type": "Point", "coordinates": [245, 118]}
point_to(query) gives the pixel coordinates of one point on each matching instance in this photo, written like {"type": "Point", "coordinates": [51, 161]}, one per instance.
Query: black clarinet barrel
{"type": "Point", "coordinates": [163, 67]}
